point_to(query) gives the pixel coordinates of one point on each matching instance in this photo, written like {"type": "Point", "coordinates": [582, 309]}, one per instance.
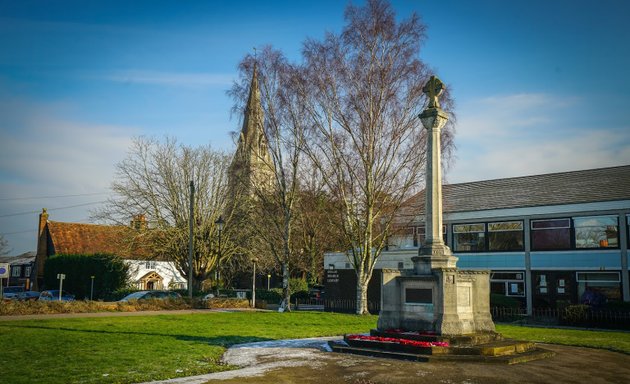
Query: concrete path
{"type": "Point", "coordinates": [307, 361]}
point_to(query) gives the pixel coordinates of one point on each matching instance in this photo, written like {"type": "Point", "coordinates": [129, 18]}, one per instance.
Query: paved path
{"type": "Point", "coordinates": [306, 361]}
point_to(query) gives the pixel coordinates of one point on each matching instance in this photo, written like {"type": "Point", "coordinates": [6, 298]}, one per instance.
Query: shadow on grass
{"type": "Point", "coordinates": [221, 341]}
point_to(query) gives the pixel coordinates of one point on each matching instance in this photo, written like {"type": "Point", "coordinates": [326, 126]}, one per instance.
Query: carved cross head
{"type": "Point", "coordinates": [433, 89]}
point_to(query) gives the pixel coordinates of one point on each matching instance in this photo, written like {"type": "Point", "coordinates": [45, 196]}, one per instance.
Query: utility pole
{"type": "Point", "coordinates": [191, 242]}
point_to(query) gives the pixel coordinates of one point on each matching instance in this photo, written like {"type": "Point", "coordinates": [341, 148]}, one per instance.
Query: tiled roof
{"type": "Point", "coordinates": [587, 186]}
{"type": "Point", "coordinates": [75, 238]}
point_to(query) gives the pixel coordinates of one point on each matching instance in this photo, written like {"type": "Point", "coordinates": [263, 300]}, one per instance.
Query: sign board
{"type": "Point", "coordinates": [4, 270]}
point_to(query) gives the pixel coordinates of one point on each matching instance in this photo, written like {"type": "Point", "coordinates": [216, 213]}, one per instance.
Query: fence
{"type": "Point", "coordinates": [575, 315]}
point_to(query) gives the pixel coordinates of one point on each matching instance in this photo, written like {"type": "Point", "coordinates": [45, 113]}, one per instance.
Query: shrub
{"type": "Point", "coordinates": [575, 314]}
{"type": "Point", "coordinates": [110, 272]}
{"type": "Point", "coordinates": [297, 285]}
{"type": "Point", "coordinates": [498, 300]}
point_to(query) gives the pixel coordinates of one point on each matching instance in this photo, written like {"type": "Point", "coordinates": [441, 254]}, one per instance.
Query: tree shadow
{"type": "Point", "coordinates": [225, 341]}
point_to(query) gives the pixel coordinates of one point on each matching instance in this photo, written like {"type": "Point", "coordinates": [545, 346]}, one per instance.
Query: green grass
{"type": "Point", "coordinates": [144, 348]}
{"type": "Point", "coordinates": [137, 349]}
{"type": "Point", "coordinates": [611, 340]}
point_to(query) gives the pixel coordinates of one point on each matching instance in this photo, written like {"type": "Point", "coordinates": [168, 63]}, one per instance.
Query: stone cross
{"type": "Point", "coordinates": [433, 89]}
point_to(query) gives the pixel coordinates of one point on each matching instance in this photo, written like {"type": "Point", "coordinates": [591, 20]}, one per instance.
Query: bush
{"type": "Point", "coordinates": [297, 285]}
{"type": "Point", "coordinates": [111, 274]}
{"type": "Point", "coordinates": [575, 314]}
{"type": "Point", "coordinates": [270, 296]}
{"type": "Point", "coordinates": [502, 301]}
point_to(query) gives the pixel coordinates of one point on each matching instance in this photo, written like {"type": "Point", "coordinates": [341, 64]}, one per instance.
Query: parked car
{"type": "Point", "coordinates": [316, 292]}
{"type": "Point", "coordinates": [53, 295]}
{"type": "Point", "coordinates": [146, 295]}
{"type": "Point", "coordinates": [28, 295]}
{"type": "Point", "coordinates": [10, 292]}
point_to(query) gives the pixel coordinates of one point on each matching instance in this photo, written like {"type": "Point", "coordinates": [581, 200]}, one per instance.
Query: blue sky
{"type": "Point", "coordinates": [540, 86]}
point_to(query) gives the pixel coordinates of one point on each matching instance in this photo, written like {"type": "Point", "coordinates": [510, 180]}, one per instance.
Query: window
{"type": "Point", "coordinates": [596, 232]}
{"type": "Point", "coordinates": [508, 283]}
{"type": "Point", "coordinates": [551, 234]}
{"type": "Point", "coordinates": [150, 264]}
{"type": "Point", "coordinates": [595, 288]}
{"type": "Point", "coordinates": [16, 271]}
{"type": "Point", "coordinates": [469, 237]}
{"type": "Point", "coordinates": [505, 236]}
{"type": "Point", "coordinates": [402, 238]}
{"type": "Point", "coordinates": [27, 271]}
{"type": "Point", "coordinates": [419, 239]}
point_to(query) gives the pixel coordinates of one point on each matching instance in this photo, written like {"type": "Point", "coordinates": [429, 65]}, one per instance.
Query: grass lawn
{"type": "Point", "coordinates": [144, 348]}
{"type": "Point", "coordinates": [614, 341]}
{"type": "Point", "coordinates": [137, 349]}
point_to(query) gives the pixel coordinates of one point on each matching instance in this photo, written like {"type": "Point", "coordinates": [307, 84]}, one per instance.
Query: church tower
{"type": "Point", "coordinates": [252, 167]}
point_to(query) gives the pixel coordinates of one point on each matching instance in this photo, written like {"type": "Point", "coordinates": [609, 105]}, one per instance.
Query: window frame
{"type": "Point", "coordinates": [569, 227]}
{"type": "Point", "coordinates": [486, 234]}
{"type": "Point", "coordinates": [574, 228]}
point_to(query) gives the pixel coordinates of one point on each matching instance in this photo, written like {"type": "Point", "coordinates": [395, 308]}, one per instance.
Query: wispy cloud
{"type": "Point", "coordinates": [527, 134]}
{"type": "Point", "coordinates": [45, 154]}
{"type": "Point", "coordinates": [172, 79]}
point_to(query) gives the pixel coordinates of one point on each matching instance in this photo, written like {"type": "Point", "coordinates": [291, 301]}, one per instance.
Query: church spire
{"type": "Point", "coordinates": [253, 117]}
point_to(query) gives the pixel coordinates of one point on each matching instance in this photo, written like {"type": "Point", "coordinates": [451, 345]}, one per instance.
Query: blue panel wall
{"type": "Point", "coordinates": [512, 260]}
{"type": "Point", "coordinates": [581, 259]}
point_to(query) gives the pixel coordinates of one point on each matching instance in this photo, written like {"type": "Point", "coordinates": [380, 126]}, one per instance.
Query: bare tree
{"type": "Point", "coordinates": [363, 92]}
{"type": "Point", "coordinates": [274, 203]}
{"type": "Point", "coordinates": [153, 182]}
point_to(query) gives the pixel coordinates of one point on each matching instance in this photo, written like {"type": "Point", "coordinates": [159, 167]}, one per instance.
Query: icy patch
{"type": "Point", "coordinates": [256, 359]}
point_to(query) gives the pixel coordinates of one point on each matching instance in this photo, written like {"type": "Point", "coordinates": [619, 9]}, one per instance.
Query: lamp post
{"type": "Point", "coordinates": [191, 239]}
{"type": "Point", "coordinates": [219, 224]}
{"type": "Point", "coordinates": [254, 283]}
{"type": "Point", "coordinates": [92, 288]}
{"type": "Point", "coordinates": [60, 277]}
{"type": "Point", "coordinates": [268, 278]}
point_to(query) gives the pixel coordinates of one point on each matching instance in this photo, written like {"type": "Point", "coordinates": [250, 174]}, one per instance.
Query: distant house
{"type": "Point", "coordinates": [21, 268]}
{"type": "Point", "coordinates": [147, 273]}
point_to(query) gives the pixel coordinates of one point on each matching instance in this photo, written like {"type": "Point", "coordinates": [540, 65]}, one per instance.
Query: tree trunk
{"type": "Point", "coordinates": [286, 293]}
{"type": "Point", "coordinates": [362, 301]}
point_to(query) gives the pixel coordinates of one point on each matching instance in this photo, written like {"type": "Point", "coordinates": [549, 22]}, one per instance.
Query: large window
{"type": "Point", "coordinates": [508, 283]}
{"type": "Point", "coordinates": [16, 271]}
{"type": "Point", "coordinates": [596, 232]}
{"type": "Point", "coordinates": [551, 234]}
{"type": "Point", "coordinates": [505, 236]}
{"type": "Point", "coordinates": [469, 237]}
{"type": "Point", "coordinates": [595, 288]}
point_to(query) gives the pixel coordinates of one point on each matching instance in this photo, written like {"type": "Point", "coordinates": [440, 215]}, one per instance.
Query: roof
{"type": "Point", "coordinates": [75, 238]}
{"type": "Point", "coordinates": [586, 186]}
{"type": "Point", "coordinates": [25, 258]}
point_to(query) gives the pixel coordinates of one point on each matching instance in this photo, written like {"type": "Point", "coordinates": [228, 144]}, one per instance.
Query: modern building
{"type": "Point", "coordinates": [147, 272]}
{"type": "Point", "coordinates": [549, 240]}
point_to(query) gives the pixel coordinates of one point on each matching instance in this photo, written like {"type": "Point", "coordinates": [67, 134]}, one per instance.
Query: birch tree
{"type": "Point", "coordinates": [363, 93]}
{"type": "Point", "coordinates": [274, 204]}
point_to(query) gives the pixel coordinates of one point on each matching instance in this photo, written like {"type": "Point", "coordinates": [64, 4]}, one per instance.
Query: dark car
{"type": "Point", "coordinates": [28, 295]}
{"type": "Point", "coordinates": [147, 295]}
{"type": "Point", "coordinates": [53, 295]}
{"type": "Point", "coordinates": [10, 292]}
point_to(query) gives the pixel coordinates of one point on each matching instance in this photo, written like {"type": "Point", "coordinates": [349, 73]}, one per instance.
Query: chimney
{"type": "Point", "coordinates": [42, 251]}
{"type": "Point", "coordinates": [139, 222]}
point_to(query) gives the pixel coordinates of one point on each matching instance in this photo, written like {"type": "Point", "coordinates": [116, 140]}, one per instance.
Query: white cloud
{"type": "Point", "coordinates": [172, 79]}
{"type": "Point", "coordinates": [44, 154]}
{"type": "Point", "coordinates": [528, 134]}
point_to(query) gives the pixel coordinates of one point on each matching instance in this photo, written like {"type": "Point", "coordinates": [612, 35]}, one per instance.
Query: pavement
{"type": "Point", "coordinates": [310, 361]}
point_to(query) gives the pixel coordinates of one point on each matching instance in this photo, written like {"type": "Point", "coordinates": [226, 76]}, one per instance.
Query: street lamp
{"type": "Point", "coordinates": [268, 278]}
{"type": "Point", "coordinates": [219, 224]}
{"type": "Point", "coordinates": [92, 288]}
{"type": "Point", "coordinates": [254, 284]}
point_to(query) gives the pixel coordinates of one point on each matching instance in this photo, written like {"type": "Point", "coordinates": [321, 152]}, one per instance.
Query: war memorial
{"type": "Point", "coordinates": [436, 311]}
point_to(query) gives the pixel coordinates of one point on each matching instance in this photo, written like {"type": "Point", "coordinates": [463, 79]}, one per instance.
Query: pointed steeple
{"type": "Point", "coordinates": [253, 118]}
{"type": "Point", "coordinates": [251, 164]}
